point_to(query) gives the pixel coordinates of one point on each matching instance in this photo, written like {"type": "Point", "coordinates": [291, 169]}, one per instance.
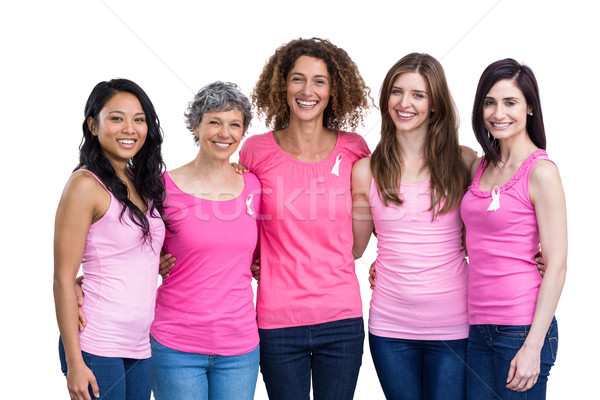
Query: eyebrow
{"type": "Point", "coordinates": [506, 98]}
{"type": "Point", "coordinates": [412, 90]}
{"type": "Point", "coordinates": [316, 76]}
{"type": "Point", "coordinates": [121, 112]}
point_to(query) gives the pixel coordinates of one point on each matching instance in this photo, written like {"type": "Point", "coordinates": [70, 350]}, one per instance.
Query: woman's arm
{"type": "Point", "coordinates": [470, 159]}
{"type": "Point", "coordinates": [78, 208]}
{"type": "Point", "coordinates": [547, 195]}
{"type": "Point", "coordinates": [362, 220]}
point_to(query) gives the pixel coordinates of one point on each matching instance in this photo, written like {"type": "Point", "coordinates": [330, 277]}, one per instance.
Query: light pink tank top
{"type": "Point", "coordinates": [120, 278]}
{"type": "Point", "coordinates": [421, 288]}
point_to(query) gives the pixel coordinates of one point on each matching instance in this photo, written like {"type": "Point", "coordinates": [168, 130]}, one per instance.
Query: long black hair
{"type": "Point", "coordinates": [146, 167]}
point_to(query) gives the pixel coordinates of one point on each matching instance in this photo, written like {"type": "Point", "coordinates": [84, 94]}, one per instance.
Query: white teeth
{"type": "Point", "coordinates": [307, 103]}
{"type": "Point", "coordinates": [126, 141]}
{"type": "Point", "coordinates": [222, 145]}
{"type": "Point", "coordinates": [406, 115]}
{"type": "Point", "coordinates": [504, 125]}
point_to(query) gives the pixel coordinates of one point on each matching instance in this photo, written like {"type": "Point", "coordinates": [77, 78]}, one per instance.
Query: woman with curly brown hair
{"type": "Point", "coordinates": [308, 305]}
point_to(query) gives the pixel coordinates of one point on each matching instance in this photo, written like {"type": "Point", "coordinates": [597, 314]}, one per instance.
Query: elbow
{"type": "Point", "coordinates": [357, 253]}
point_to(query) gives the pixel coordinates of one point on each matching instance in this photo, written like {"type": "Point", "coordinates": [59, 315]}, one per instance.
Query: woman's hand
{"type": "Point", "coordinates": [524, 369]}
{"type": "Point", "coordinates": [79, 378]}
{"type": "Point", "coordinates": [372, 275]}
{"type": "Point", "coordinates": [167, 262]}
{"type": "Point", "coordinates": [541, 265]}
{"type": "Point", "coordinates": [255, 269]}
{"type": "Point", "coordinates": [239, 168]}
{"type": "Point", "coordinates": [79, 294]}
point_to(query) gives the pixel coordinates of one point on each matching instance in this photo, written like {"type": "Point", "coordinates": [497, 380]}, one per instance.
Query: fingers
{"type": "Point", "coordinates": [82, 321]}
{"type": "Point", "coordinates": [239, 168]}
{"type": "Point", "coordinates": [167, 262]}
{"type": "Point", "coordinates": [519, 381]}
{"type": "Point", "coordinates": [95, 389]}
{"type": "Point", "coordinates": [255, 269]}
{"type": "Point", "coordinates": [79, 294]}
{"type": "Point", "coordinates": [372, 275]}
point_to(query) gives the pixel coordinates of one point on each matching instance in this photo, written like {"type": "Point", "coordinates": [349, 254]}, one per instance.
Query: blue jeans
{"type": "Point", "coordinates": [490, 350]}
{"type": "Point", "coordinates": [331, 351]}
{"type": "Point", "coordinates": [178, 375]}
{"type": "Point", "coordinates": [420, 369]}
{"type": "Point", "coordinates": [117, 378]}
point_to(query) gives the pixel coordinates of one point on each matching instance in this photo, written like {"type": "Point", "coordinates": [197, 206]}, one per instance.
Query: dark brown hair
{"type": "Point", "coordinates": [449, 176]}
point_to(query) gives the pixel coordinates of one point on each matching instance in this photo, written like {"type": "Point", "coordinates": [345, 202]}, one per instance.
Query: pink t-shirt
{"type": "Point", "coordinates": [206, 305]}
{"type": "Point", "coordinates": [120, 272]}
{"type": "Point", "coordinates": [421, 290]}
{"type": "Point", "coordinates": [503, 277]}
{"type": "Point", "coordinates": [307, 268]}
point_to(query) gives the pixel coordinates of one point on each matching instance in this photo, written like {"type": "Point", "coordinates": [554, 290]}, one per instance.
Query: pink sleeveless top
{"type": "Point", "coordinates": [421, 290]}
{"type": "Point", "coordinates": [120, 277]}
{"type": "Point", "coordinates": [503, 277]}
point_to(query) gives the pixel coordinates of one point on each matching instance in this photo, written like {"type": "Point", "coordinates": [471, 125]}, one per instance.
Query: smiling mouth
{"type": "Point", "coordinates": [303, 103]}
{"type": "Point", "coordinates": [126, 141]}
{"type": "Point", "coordinates": [222, 145]}
{"type": "Point", "coordinates": [500, 125]}
{"type": "Point", "coordinates": [405, 115]}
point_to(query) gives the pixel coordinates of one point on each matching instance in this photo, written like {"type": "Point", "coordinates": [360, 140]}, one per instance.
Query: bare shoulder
{"type": "Point", "coordinates": [84, 192]}
{"type": "Point", "coordinates": [469, 157]}
{"type": "Point", "coordinates": [544, 172]}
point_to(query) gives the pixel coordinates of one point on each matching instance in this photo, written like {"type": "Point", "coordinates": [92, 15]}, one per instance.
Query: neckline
{"type": "Point", "coordinates": [333, 153]}
{"type": "Point", "coordinates": [202, 198]}
{"type": "Point", "coordinates": [417, 184]}
{"type": "Point", "coordinates": [517, 175]}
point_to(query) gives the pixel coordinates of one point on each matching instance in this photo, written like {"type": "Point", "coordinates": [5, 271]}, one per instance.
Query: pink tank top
{"type": "Point", "coordinates": [421, 289]}
{"type": "Point", "coordinates": [120, 277]}
{"type": "Point", "coordinates": [502, 240]}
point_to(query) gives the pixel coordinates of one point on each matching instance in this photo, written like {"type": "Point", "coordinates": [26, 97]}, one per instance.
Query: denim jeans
{"type": "Point", "coordinates": [420, 369]}
{"type": "Point", "coordinates": [331, 352]}
{"type": "Point", "coordinates": [117, 378]}
{"type": "Point", "coordinates": [178, 375]}
{"type": "Point", "coordinates": [490, 350]}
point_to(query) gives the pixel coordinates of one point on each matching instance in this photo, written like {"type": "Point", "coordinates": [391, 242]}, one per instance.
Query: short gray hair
{"type": "Point", "coordinates": [216, 97]}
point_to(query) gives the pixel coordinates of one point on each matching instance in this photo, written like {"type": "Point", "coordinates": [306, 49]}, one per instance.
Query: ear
{"type": "Point", "coordinates": [92, 125]}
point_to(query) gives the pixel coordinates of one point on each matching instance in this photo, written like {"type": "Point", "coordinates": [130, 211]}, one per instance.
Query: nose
{"type": "Point", "coordinates": [128, 126]}
{"type": "Point", "coordinates": [499, 112]}
{"type": "Point", "coordinates": [404, 101]}
{"type": "Point", "coordinates": [306, 89]}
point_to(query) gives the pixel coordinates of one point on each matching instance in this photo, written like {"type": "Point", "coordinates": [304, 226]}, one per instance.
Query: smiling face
{"type": "Point", "coordinates": [505, 110]}
{"type": "Point", "coordinates": [220, 133]}
{"type": "Point", "coordinates": [409, 103]}
{"type": "Point", "coordinates": [308, 88]}
{"type": "Point", "coordinates": [120, 127]}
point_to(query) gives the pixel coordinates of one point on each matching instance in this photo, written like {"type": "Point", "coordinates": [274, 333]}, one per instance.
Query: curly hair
{"type": "Point", "coordinates": [145, 167]}
{"type": "Point", "coordinates": [350, 95]}
{"type": "Point", "coordinates": [449, 176]}
{"type": "Point", "coordinates": [215, 97]}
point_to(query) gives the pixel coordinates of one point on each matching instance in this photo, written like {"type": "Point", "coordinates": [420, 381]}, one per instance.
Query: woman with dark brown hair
{"type": "Point", "coordinates": [309, 307]}
{"type": "Point", "coordinates": [409, 194]}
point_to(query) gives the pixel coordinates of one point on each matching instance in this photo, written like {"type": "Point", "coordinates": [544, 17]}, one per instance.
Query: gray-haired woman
{"type": "Point", "coordinates": [204, 334]}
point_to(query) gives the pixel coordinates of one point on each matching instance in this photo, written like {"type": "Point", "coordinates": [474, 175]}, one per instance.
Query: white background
{"type": "Point", "coordinates": [53, 52]}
